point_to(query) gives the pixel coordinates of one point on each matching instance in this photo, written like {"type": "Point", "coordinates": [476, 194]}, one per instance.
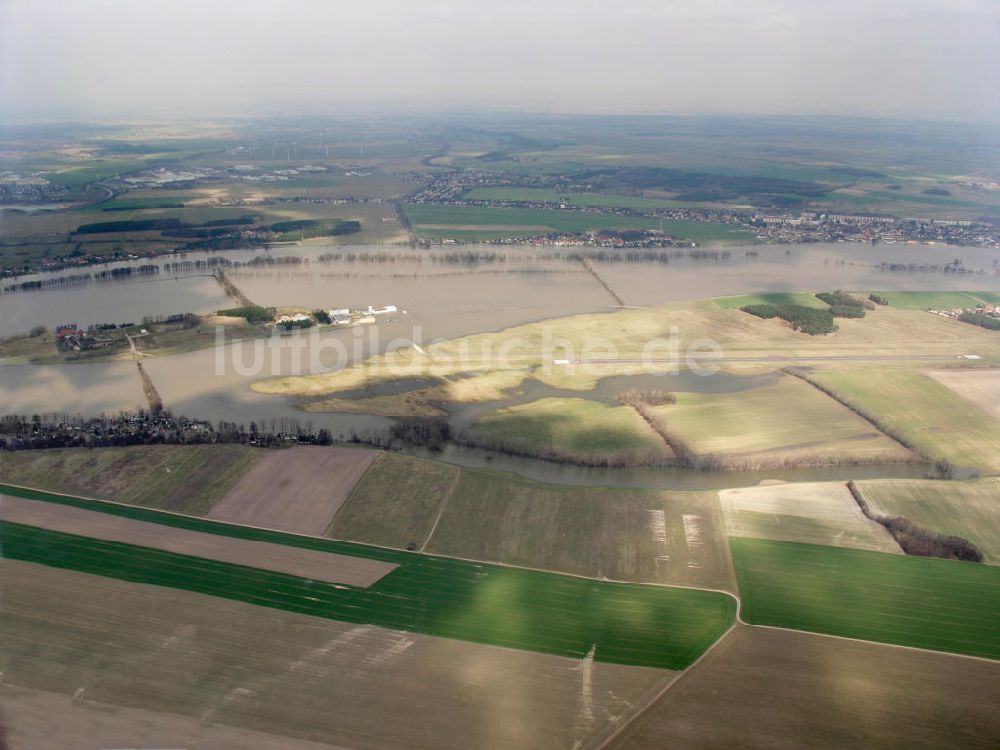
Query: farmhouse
{"type": "Point", "coordinates": [340, 317]}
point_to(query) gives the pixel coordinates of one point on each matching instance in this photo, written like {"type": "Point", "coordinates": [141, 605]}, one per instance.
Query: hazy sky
{"type": "Point", "coordinates": [938, 59]}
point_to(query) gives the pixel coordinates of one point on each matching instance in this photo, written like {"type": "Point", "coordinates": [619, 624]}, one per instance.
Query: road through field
{"type": "Point", "coordinates": [318, 566]}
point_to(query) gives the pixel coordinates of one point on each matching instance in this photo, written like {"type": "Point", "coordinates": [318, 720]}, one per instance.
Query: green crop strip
{"type": "Point", "coordinates": [530, 610]}
{"type": "Point", "coordinates": [923, 602]}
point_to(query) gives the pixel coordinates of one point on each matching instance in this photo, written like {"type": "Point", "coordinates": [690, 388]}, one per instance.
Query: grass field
{"type": "Point", "coordinates": [810, 512]}
{"type": "Point", "coordinates": [484, 222]}
{"type": "Point", "coordinates": [921, 412]}
{"type": "Point", "coordinates": [221, 663]}
{"type": "Point", "coordinates": [932, 300]}
{"type": "Point", "coordinates": [924, 602]}
{"type": "Point", "coordinates": [806, 299]}
{"type": "Point", "coordinates": [183, 478]}
{"type": "Point", "coordinates": [548, 613]}
{"type": "Point", "coordinates": [395, 503]}
{"type": "Point", "coordinates": [968, 509]}
{"type": "Point", "coordinates": [783, 691]}
{"type": "Point", "coordinates": [572, 428]}
{"type": "Point", "coordinates": [784, 424]}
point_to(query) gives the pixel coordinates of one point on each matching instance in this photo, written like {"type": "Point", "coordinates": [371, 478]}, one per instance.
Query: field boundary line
{"type": "Point", "coordinates": [440, 510]}
{"type": "Point", "coordinates": [876, 643]}
{"type": "Point", "coordinates": [602, 740]}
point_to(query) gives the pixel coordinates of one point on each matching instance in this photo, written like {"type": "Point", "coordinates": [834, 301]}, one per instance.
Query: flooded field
{"type": "Point", "coordinates": [440, 300]}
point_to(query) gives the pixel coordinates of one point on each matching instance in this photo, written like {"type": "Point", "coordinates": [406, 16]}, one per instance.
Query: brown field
{"type": "Point", "coordinates": [761, 688]}
{"type": "Point", "coordinates": [83, 723]}
{"type": "Point", "coordinates": [298, 490]}
{"type": "Point", "coordinates": [366, 688]}
{"type": "Point", "coordinates": [981, 387]}
{"type": "Point", "coordinates": [808, 512]}
{"type": "Point", "coordinates": [319, 566]}
{"type": "Point", "coordinates": [182, 478]}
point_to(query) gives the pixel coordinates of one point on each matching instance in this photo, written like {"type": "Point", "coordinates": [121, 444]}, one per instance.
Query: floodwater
{"type": "Point", "coordinates": [440, 300]}
{"type": "Point", "coordinates": [126, 301]}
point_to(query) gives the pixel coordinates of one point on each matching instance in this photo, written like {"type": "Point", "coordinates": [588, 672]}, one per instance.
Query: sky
{"type": "Point", "coordinates": [93, 59]}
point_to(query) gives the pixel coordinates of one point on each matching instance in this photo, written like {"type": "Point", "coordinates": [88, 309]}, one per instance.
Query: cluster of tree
{"type": "Point", "coordinates": [59, 281]}
{"type": "Point", "coordinates": [291, 325]}
{"type": "Point", "coordinates": [878, 299]}
{"type": "Point", "coordinates": [916, 540]}
{"type": "Point", "coordinates": [251, 313]}
{"type": "Point", "coordinates": [124, 272]}
{"type": "Point", "coordinates": [424, 432]}
{"type": "Point", "coordinates": [843, 305]}
{"type": "Point", "coordinates": [18, 432]}
{"type": "Point", "coordinates": [809, 320]}
{"type": "Point", "coordinates": [280, 227]}
{"type": "Point", "coordinates": [980, 319]}
{"type": "Point", "coordinates": [185, 320]}
{"type": "Point", "coordinates": [632, 396]}
{"type": "Point", "coordinates": [130, 225]}
{"type": "Point", "coordinates": [313, 228]}
{"type": "Point", "coordinates": [322, 316]}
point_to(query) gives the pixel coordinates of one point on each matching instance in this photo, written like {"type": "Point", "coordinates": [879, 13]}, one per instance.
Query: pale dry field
{"type": "Point", "coordinates": [296, 561]}
{"type": "Point", "coordinates": [810, 512]}
{"type": "Point", "coordinates": [357, 686]}
{"type": "Point", "coordinates": [784, 690]}
{"type": "Point", "coordinates": [981, 387]}
{"type": "Point", "coordinates": [297, 490]}
{"type": "Point", "coordinates": [787, 423]}
{"type": "Point", "coordinates": [42, 719]}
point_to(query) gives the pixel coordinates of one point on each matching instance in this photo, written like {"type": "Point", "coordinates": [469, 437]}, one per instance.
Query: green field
{"type": "Point", "coordinates": [572, 428]}
{"type": "Point", "coordinates": [487, 222]}
{"type": "Point", "coordinates": [534, 611]}
{"type": "Point", "coordinates": [395, 502]}
{"type": "Point", "coordinates": [923, 602]}
{"type": "Point", "coordinates": [182, 478]}
{"type": "Point", "coordinates": [526, 194]}
{"type": "Point", "coordinates": [787, 423]}
{"type": "Point", "coordinates": [625, 535]}
{"type": "Point", "coordinates": [966, 509]}
{"type": "Point", "coordinates": [806, 299]}
{"type": "Point", "coordinates": [920, 412]}
{"type": "Point", "coordinates": [934, 300]}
